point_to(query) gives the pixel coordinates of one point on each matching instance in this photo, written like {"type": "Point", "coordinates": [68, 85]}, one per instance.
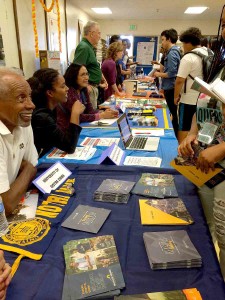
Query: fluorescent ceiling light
{"type": "Point", "coordinates": [195, 10]}
{"type": "Point", "coordinates": [102, 10]}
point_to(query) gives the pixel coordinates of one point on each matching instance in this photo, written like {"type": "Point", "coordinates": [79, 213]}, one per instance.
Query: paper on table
{"type": "Point", "coordinates": [104, 142]}
{"type": "Point", "coordinates": [81, 153]}
{"type": "Point", "coordinates": [104, 122]}
{"type": "Point", "coordinates": [156, 132]}
{"type": "Point", "coordinates": [142, 161]}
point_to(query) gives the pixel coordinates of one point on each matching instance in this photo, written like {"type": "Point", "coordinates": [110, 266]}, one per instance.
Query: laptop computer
{"type": "Point", "coordinates": [135, 143]}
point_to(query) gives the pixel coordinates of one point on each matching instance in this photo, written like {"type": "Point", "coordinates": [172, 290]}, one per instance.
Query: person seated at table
{"type": "Point", "coordinates": [5, 276]}
{"type": "Point", "coordinates": [114, 53]}
{"type": "Point", "coordinates": [76, 78]}
{"type": "Point", "coordinates": [18, 156]}
{"type": "Point", "coordinates": [48, 91]}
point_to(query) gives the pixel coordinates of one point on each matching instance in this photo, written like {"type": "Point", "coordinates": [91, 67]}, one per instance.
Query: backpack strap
{"type": "Point", "coordinates": [196, 53]}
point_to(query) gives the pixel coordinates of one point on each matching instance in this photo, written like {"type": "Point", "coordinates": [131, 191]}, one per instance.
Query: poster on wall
{"type": "Point", "coordinates": [145, 52]}
{"type": "Point", "coordinates": [2, 54]}
{"type": "Point", "coordinates": [53, 35]}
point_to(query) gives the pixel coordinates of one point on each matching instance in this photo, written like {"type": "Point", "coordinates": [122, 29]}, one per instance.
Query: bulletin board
{"type": "Point", "coordinates": [145, 50]}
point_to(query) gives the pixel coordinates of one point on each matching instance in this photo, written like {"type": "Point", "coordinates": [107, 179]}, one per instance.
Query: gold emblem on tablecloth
{"type": "Point", "coordinates": [28, 232]}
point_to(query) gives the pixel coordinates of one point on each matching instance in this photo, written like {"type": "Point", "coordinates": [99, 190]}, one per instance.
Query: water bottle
{"type": "Point", "coordinates": [3, 220]}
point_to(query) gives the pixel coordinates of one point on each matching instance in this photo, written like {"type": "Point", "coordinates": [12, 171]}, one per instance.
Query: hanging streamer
{"type": "Point", "coordinates": [54, 2]}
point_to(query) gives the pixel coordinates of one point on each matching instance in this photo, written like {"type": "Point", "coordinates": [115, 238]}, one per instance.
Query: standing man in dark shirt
{"type": "Point", "coordinates": [85, 54]}
{"type": "Point", "coordinates": [171, 65]}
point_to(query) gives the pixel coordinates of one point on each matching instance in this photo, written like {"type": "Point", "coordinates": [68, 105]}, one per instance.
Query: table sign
{"type": "Point", "coordinates": [52, 178]}
{"type": "Point", "coordinates": [112, 155]}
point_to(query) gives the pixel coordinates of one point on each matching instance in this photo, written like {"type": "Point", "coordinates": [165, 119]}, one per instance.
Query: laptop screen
{"type": "Point", "coordinates": [124, 128]}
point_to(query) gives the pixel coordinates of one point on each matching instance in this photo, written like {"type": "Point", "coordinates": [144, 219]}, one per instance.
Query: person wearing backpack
{"type": "Point", "coordinates": [191, 65]}
{"type": "Point", "coordinates": [171, 63]}
{"type": "Point", "coordinates": [213, 200]}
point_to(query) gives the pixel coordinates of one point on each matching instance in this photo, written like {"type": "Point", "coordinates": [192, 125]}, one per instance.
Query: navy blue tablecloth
{"type": "Point", "coordinates": [43, 280]}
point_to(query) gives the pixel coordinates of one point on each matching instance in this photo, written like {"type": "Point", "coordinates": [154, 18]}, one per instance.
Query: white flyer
{"type": "Point", "coordinates": [81, 153]}
{"type": "Point", "coordinates": [101, 142]}
{"type": "Point", "coordinates": [143, 161]}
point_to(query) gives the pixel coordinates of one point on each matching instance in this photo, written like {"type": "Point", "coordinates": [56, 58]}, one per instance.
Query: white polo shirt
{"type": "Point", "coordinates": [15, 147]}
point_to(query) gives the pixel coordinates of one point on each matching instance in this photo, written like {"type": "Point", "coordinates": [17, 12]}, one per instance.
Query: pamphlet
{"type": "Point", "coordinates": [81, 153]}
{"type": "Point", "coordinates": [87, 218]}
{"type": "Point", "coordinates": [148, 132]}
{"type": "Point", "coordinates": [113, 155]}
{"type": "Point", "coordinates": [193, 174]}
{"type": "Point", "coordinates": [185, 294]}
{"type": "Point", "coordinates": [214, 89]}
{"type": "Point", "coordinates": [104, 122]}
{"type": "Point", "coordinates": [52, 178]}
{"type": "Point", "coordinates": [101, 142]}
{"type": "Point", "coordinates": [142, 161]}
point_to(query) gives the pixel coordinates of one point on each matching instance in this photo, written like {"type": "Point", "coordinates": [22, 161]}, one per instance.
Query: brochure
{"type": "Point", "coordinates": [81, 153]}
{"type": "Point", "coordinates": [101, 142]}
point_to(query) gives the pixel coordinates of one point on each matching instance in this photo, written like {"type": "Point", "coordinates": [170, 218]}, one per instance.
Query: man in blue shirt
{"type": "Point", "coordinates": [171, 63]}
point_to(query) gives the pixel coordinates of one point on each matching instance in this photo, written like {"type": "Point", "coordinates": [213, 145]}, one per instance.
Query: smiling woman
{"type": "Point", "coordinates": [76, 78]}
{"type": "Point", "coordinates": [48, 91]}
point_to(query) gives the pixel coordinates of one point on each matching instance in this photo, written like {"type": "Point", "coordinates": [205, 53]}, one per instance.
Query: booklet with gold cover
{"type": "Point", "coordinates": [196, 176]}
{"type": "Point", "coordinates": [164, 212]}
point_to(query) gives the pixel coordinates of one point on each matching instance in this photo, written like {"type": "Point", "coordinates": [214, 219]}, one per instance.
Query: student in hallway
{"type": "Point", "coordinates": [190, 67]}
{"type": "Point", "coordinates": [171, 63]}
{"type": "Point", "coordinates": [213, 200]}
{"type": "Point", "coordinates": [76, 78]}
{"type": "Point", "coordinates": [48, 91]}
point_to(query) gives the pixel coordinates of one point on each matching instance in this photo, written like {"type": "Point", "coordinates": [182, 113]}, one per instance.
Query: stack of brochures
{"type": "Point", "coordinates": [92, 269]}
{"type": "Point", "coordinates": [112, 190]}
{"type": "Point", "coordinates": [155, 185]}
{"type": "Point", "coordinates": [164, 212]}
{"type": "Point", "coordinates": [185, 294]}
{"type": "Point", "coordinates": [171, 249]}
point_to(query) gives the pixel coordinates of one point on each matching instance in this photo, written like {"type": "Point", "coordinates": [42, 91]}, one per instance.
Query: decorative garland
{"type": "Point", "coordinates": [45, 8]}
{"type": "Point", "coordinates": [35, 29]}
{"type": "Point", "coordinates": [35, 23]}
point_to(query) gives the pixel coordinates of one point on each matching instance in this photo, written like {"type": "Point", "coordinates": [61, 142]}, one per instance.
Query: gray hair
{"type": "Point", "coordinates": [5, 72]}
{"type": "Point", "coordinates": [88, 26]}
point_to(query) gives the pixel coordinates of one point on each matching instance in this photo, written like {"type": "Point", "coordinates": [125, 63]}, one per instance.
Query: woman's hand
{"type": "Point", "coordinates": [78, 108]}
{"type": "Point", "coordinates": [185, 148]}
{"type": "Point", "coordinates": [109, 114]}
{"type": "Point", "coordinates": [209, 157]}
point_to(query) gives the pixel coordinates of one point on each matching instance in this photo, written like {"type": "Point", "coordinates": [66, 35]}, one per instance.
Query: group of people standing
{"type": "Point", "coordinates": [55, 105]}
{"type": "Point", "coordinates": [178, 73]}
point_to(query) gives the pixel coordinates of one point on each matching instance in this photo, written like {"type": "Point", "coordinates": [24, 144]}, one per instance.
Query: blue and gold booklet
{"type": "Point", "coordinates": [171, 249]}
{"type": "Point", "coordinates": [92, 268]}
{"type": "Point", "coordinates": [87, 218]}
{"type": "Point", "coordinates": [156, 185]}
{"type": "Point", "coordinates": [112, 190]}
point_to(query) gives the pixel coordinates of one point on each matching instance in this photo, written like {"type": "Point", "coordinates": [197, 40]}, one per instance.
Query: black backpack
{"type": "Point", "coordinates": [206, 64]}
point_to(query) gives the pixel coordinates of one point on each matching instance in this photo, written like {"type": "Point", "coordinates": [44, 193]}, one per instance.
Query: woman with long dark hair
{"type": "Point", "coordinates": [213, 200]}
{"type": "Point", "coordinates": [76, 78]}
{"type": "Point", "coordinates": [48, 91]}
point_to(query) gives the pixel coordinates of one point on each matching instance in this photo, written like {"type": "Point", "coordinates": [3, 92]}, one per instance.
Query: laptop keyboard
{"type": "Point", "coordinates": [138, 143]}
